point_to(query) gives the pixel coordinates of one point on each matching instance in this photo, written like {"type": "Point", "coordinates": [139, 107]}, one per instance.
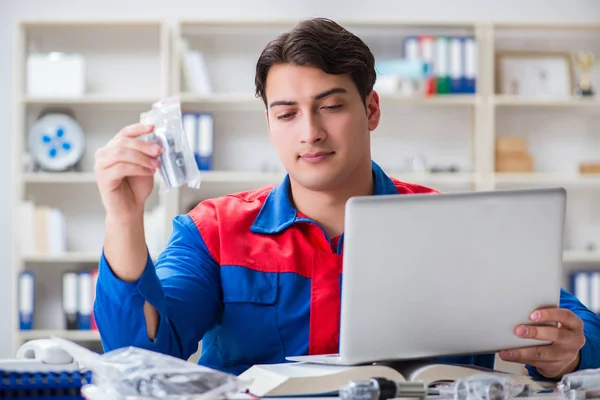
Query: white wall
{"type": "Point", "coordinates": [12, 10]}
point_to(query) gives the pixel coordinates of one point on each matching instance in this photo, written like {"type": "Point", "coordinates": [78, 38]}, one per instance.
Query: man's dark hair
{"type": "Point", "coordinates": [323, 44]}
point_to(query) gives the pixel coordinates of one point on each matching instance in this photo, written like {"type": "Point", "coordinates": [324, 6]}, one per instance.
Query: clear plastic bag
{"type": "Point", "coordinates": [582, 384]}
{"type": "Point", "coordinates": [133, 373]}
{"type": "Point", "coordinates": [483, 386]}
{"type": "Point", "coordinates": [177, 163]}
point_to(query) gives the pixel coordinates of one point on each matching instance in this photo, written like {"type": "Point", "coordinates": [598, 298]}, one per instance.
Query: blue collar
{"type": "Point", "coordinates": [277, 213]}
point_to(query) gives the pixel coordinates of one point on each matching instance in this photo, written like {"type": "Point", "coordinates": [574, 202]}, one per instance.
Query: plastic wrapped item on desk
{"type": "Point", "coordinates": [579, 385]}
{"type": "Point", "coordinates": [486, 387]}
{"type": "Point", "coordinates": [134, 373]}
{"type": "Point", "coordinates": [477, 387]}
{"type": "Point", "coordinates": [177, 163]}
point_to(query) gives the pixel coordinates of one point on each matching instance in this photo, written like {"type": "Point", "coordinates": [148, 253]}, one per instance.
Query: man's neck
{"type": "Point", "coordinates": [328, 208]}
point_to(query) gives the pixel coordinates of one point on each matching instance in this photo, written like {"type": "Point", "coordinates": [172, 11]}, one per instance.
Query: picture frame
{"type": "Point", "coordinates": [534, 74]}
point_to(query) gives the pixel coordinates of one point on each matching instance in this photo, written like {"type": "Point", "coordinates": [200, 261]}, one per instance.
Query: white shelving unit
{"type": "Point", "coordinates": [127, 69]}
{"type": "Point", "coordinates": [134, 63]}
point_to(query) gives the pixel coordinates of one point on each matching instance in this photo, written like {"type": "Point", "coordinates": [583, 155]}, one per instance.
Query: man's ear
{"type": "Point", "coordinates": [268, 125]}
{"type": "Point", "coordinates": [267, 117]}
{"type": "Point", "coordinates": [373, 110]}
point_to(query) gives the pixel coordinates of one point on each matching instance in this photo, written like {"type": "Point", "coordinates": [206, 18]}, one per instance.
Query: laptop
{"type": "Point", "coordinates": [446, 275]}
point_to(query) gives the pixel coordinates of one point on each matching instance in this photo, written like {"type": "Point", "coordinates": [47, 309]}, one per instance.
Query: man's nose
{"type": "Point", "coordinates": [313, 132]}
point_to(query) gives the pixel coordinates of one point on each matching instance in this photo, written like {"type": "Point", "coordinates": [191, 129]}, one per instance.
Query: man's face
{"type": "Point", "coordinates": [319, 125]}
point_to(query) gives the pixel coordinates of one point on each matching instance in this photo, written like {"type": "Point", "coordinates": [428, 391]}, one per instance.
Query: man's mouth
{"type": "Point", "coordinates": [316, 156]}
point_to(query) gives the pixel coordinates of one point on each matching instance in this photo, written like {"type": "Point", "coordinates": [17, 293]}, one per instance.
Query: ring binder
{"type": "Point", "coordinates": [40, 371]}
{"type": "Point", "coordinates": [43, 385]}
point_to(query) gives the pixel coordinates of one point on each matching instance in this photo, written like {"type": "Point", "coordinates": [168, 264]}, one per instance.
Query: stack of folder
{"type": "Point", "coordinates": [431, 65]}
{"type": "Point", "coordinates": [453, 61]}
{"type": "Point", "coordinates": [78, 295]}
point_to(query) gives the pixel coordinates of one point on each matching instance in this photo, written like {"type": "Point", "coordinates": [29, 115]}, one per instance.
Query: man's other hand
{"type": "Point", "coordinates": [562, 355]}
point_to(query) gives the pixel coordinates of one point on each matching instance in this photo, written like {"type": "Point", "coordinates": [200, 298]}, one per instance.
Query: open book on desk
{"type": "Point", "coordinates": [304, 379]}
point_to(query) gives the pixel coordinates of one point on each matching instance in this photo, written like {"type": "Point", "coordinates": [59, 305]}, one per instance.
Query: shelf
{"type": "Point", "coordinates": [242, 99]}
{"type": "Point", "coordinates": [572, 180]}
{"type": "Point", "coordinates": [221, 100]}
{"type": "Point", "coordinates": [90, 335]}
{"type": "Point", "coordinates": [507, 100]}
{"type": "Point", "coordinates": [581, 256]}
{"type": "Point", "coordinates": [66, 177]}
{"type": "Point", "coordinates": [59, 177]}
{"type": "Point", "coordinates": [441, 178]}
{"type": "Point", "coordinates": [241, 177]}
{"type": "Point", "coordinates": [276, 177]}
{"type": "Point", "coordinates": [69, 257]}
{"type": "Point", "coordinates": [90, 22]}
{"type": "Point", "coordinates": [355, 23]}
{"type": "Point", "coordinates": [92, 99]}
{"type": "Point", "coordinates": [469, 100]}
{"type": "Point", "coordinates": [546, 26]}
{"type": "Point", "coordinates": [363, 28]}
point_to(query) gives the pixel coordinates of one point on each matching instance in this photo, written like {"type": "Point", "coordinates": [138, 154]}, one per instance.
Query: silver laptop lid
{"type": "Point", "coordinates": [431, 275]}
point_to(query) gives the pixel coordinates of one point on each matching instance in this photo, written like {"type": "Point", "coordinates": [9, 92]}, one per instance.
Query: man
{"type": "Point", "coordinates": [256, 275]}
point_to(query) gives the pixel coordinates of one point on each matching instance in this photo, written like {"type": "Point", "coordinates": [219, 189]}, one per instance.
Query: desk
{"type": "Point", "coordinates": [550, 396]}
{"type": "Point", "coordinates": [90, 393]}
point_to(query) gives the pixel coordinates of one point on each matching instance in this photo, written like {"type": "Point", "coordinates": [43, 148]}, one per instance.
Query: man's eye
{"type": "Point", "coordinates": [285, 116]}
{"type": "Point", "coordinates": [333, 106]}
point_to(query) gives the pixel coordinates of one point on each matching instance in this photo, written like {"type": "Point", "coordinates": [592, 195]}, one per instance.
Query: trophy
{"type": "Point", "coordinates": [584, 61]}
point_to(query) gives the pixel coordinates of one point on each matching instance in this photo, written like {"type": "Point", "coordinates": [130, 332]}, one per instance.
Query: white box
{"type": "Point", "coordinates": [55, 75]}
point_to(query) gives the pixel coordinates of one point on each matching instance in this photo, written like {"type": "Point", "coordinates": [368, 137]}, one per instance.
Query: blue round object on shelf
{"type": "Point", "coordinates": [56, 142]}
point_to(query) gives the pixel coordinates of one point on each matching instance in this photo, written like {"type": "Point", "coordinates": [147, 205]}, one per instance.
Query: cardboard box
{"type": "Point", "coordinates": [511, 144]}
{"type": "Point", "coordinates": [514, 163]}
{"type": "Point", "coordinates": [589, 168]}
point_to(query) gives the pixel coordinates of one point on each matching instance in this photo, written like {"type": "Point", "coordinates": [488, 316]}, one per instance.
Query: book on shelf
{"type": "Point", "coordinates": [307, 379]}
{"type": "Point", "coordinates": [43, 229]}
{"type": "Point", "coordinates": [194, 70]}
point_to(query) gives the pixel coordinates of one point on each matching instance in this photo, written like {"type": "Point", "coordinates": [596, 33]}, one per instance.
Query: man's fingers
{"type": "Point", "coordinates": [125, 155]}
{"type": "Point", "coordinates": [567, 318]}
{"type": "Point", "coordinates": [550, 333]}
{"type": "Point", "coordinates": [532, 355]}
{"type": "Point", "coordinates": [135, 130]}
{"type": "Point", "coordinates": [123, 170]}
{"type": "Point", "coordinates": [150, 149]}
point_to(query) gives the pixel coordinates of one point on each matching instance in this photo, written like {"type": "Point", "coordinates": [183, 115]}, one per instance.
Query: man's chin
{"type": "Point", "coordinates": [317, 181]}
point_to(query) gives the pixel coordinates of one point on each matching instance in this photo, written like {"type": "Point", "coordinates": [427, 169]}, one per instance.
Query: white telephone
{"type": "Point", "coordinates": [41, 355]}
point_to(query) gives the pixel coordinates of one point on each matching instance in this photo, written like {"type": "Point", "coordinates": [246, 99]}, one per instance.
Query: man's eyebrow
{"type": "Point", "coordinates": [282, 103]}
{"type": "Point", "coordinates": [316, 97]}
{"type": "Point", "coordinates": [330, 92]}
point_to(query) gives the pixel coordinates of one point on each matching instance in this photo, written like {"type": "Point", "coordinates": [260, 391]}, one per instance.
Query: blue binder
{"type": "Point", "coordinates": [463, 65]}
{"type": "Point", "coordinates": [199, 130]}
{"type": "Point", "coordinates": [470, 73]}
{"type": "Point", "coordinates": [26, 299]}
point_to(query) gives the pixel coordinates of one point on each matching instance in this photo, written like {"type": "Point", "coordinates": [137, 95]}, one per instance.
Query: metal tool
{"type": "Point", "coordinates": [382, 389]}
{"type": "Point", "coordinates": [580, 385]}
{"type": "Point", "coordinates": [477, 387]}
